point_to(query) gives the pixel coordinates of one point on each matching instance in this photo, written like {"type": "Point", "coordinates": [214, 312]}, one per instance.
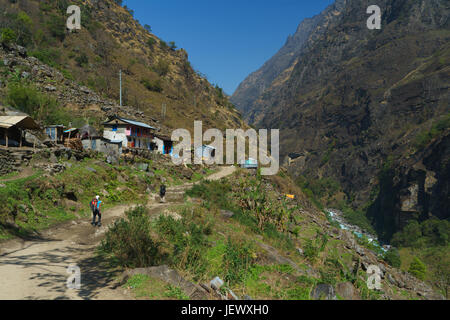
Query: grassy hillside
{"type": "Point", "coordinates": [260, 243]}
{"type": "Point", "coordinates": [154, 72]}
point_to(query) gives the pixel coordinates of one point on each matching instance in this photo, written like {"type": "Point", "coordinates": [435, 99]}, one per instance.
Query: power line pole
{"type": "Point", "coordinates": [163, 111]}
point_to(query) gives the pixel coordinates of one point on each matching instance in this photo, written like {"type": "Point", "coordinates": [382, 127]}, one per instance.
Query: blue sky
{"type": "Point", "coordinates": [226, 40]}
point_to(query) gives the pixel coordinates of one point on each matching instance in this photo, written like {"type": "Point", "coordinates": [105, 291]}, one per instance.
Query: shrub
{"type": "Point", "coordinates": [418, 269]}
{"type": "Point", "coordinates": [40, 106]}
{"type": "Point", "coordinates": [152, 85]}
{"type": "Point", "coordinates": [172, 45]}
{"type": "Point", "coordinates": [162, 67]}
{"type": "Point", "coordinates": [314, 247]}
{"type": "Point", "coordinates": [186, 242]}
{"type": "Point", "coordinates": [57, 26]}
{"type": "Point", "coordinates": [163, 45]}
{"type": "Point", "coordinates": [432, 232]}
{"type": "Point", "coordinates": [82, 60]}
{"type": "Point", "coordinates": [214, 192]}
{"type": "Point", "coordinates": [48, 56]}
{"type": "Point", "coordinates": [7, 36]}
{"type": "Point", "coordinates": [151, 42]}
{"type": "Point", "coordinates": [237, 261]}
{"type": "Point", "coordinates": [393, 258]}
{"type": "Point", "coordinates": [130, 240]}
{"type": "Point", "coordinates": [148, 28]}
{"type": "Point", "coordinates": [425, 137]}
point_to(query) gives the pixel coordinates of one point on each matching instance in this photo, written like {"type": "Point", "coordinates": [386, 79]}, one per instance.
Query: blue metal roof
{"type": "Point", "coordinates": [137, 123]}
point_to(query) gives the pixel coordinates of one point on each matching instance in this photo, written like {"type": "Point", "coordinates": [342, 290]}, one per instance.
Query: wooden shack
{"type": "Point", "coordinates": [12, 130]}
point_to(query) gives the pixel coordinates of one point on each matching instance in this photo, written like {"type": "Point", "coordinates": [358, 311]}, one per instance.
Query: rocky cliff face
{"type": "Point", "coordinates": [357, 99]}
{"type": "Point", "coordinates": [256, 83]}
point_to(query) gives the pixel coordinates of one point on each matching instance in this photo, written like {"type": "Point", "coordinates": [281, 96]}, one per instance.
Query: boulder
{"type": "Point", "coordinates": [226, 214]}
{"type": "Point", "coordinates": [347, 291]}
{"type": "Point", "coordinates": [323, 292]}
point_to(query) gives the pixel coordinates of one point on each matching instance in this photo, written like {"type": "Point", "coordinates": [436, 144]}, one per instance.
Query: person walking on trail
{"type": "Point", "coordinates": [162, 192]}
{"type": "Point", "coordinates": [95, 207]}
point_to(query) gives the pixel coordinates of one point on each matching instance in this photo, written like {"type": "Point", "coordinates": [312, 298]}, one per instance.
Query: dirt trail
{"type": "Point", "coordinates": [36, 269]}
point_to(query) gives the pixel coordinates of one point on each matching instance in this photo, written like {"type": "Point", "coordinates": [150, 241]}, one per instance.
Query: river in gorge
{"type": "Point", "coordinates": [338, 216]}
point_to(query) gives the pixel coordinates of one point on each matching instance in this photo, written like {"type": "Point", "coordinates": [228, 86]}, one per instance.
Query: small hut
{"type": "Point", "coordinates": [163, 144]}
{"type": "Point", "coordinates": [55, 132]}
{"type": "Point", "coordinates": [12, 130]}
{"type": "Point", "coordinates": [88, 132]}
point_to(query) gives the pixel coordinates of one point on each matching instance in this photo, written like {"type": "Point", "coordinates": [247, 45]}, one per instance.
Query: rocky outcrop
{"type": "Point", "coordinates": [356, 100]}
{"type": "Point", "coordinates": [414, 189]}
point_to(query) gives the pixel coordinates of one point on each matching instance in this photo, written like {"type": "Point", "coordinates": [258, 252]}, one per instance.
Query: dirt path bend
{"type": "Point", "coordinates": [37, 269]}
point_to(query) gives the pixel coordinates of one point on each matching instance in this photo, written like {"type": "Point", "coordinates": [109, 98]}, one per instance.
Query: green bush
{"type": "Point", "coordinates": [130, 241]}
{"type": "Point", "coordinates": [393, 258]}
{"type": "Point", "coordinates": [40, 106]}
{"type": "Point", "coordinates": [431, 232]}
{"type": "Point", "coordinates": [312, 247]}
{"type": "Point", "coordinates": [163, 45]}
{"type": "Point", "coordinates": [7, 36]}
{"type": "Point", "coordinates": [82, 60]}
{"type": "Point", "coordinates": [172, 45]}
{"type": "Point", "coordinates": [418, 269]}
{"type": "Point", "coordinates": [48, 56]}
{"type": "Point", "coordinates": [237, 261]}
{"type": "Point", "coordinates": [151, 42]}
{"type": "Point", "coordinates": [56, 25]}
{"type": "Point", "coordinates": [162, 67]}
{"type": "Point", "coordinates": [216, 193]}
{"type": "Point", "coordinates": [186, 242]}
{"type": "Point", "coordinates": [425, 137]}
{"type": "Point", "coordinates": [358, 218]}
{"type": "Point", "coordinates": [152, 85]}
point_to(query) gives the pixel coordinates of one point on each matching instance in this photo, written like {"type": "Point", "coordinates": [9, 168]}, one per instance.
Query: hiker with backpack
{"type": "Point", "coordinates": [95, 207]}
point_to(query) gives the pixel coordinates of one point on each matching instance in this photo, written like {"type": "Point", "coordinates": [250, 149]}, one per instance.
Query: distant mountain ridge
{"type": "Point", "coordinates": [353, 101]}
{"type": "Point", "coordinates": [281, 63]}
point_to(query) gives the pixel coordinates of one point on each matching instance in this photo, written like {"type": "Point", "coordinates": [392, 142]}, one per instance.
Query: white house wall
{"type": "Point", "coordinates": [116, 136]}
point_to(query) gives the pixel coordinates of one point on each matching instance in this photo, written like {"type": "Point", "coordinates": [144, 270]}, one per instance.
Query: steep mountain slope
{"type": "Point", "coordinates": [155, 74]}
{"type": "Point", "coordinates": [358, 101]}
{"type": "Point", "coordinates": [282, 62]}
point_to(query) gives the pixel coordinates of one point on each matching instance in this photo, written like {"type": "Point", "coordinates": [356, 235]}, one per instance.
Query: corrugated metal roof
{"type": "Point", "coordinates": [24, 121]}
{"type": "Point", "coordinates": [110, 122]}
{"type": "Point", "coordinates": [137, 123]}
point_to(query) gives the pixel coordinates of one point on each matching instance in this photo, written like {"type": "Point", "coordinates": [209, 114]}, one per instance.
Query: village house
{"type": "Point", "coordinates": [163, 144]}
{"type": "Point", "coordinates": [55, 133]}
{"type": "Point", "coordinates": [132, 134]}
{"type": "Point", "coordinates": [12, 130]}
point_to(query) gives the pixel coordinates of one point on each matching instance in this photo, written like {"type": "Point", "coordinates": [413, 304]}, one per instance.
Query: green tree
{"type": "Point", "coordinates": [393, 258]}
{"type": "Point", "coordinates": [418, 269]}
{"type": "Point", "coordinates": [148, 28]}
{"type": "Point", "coordinates": [172, 45]}
{"type": "Point", "coordinates": [7, 36]}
